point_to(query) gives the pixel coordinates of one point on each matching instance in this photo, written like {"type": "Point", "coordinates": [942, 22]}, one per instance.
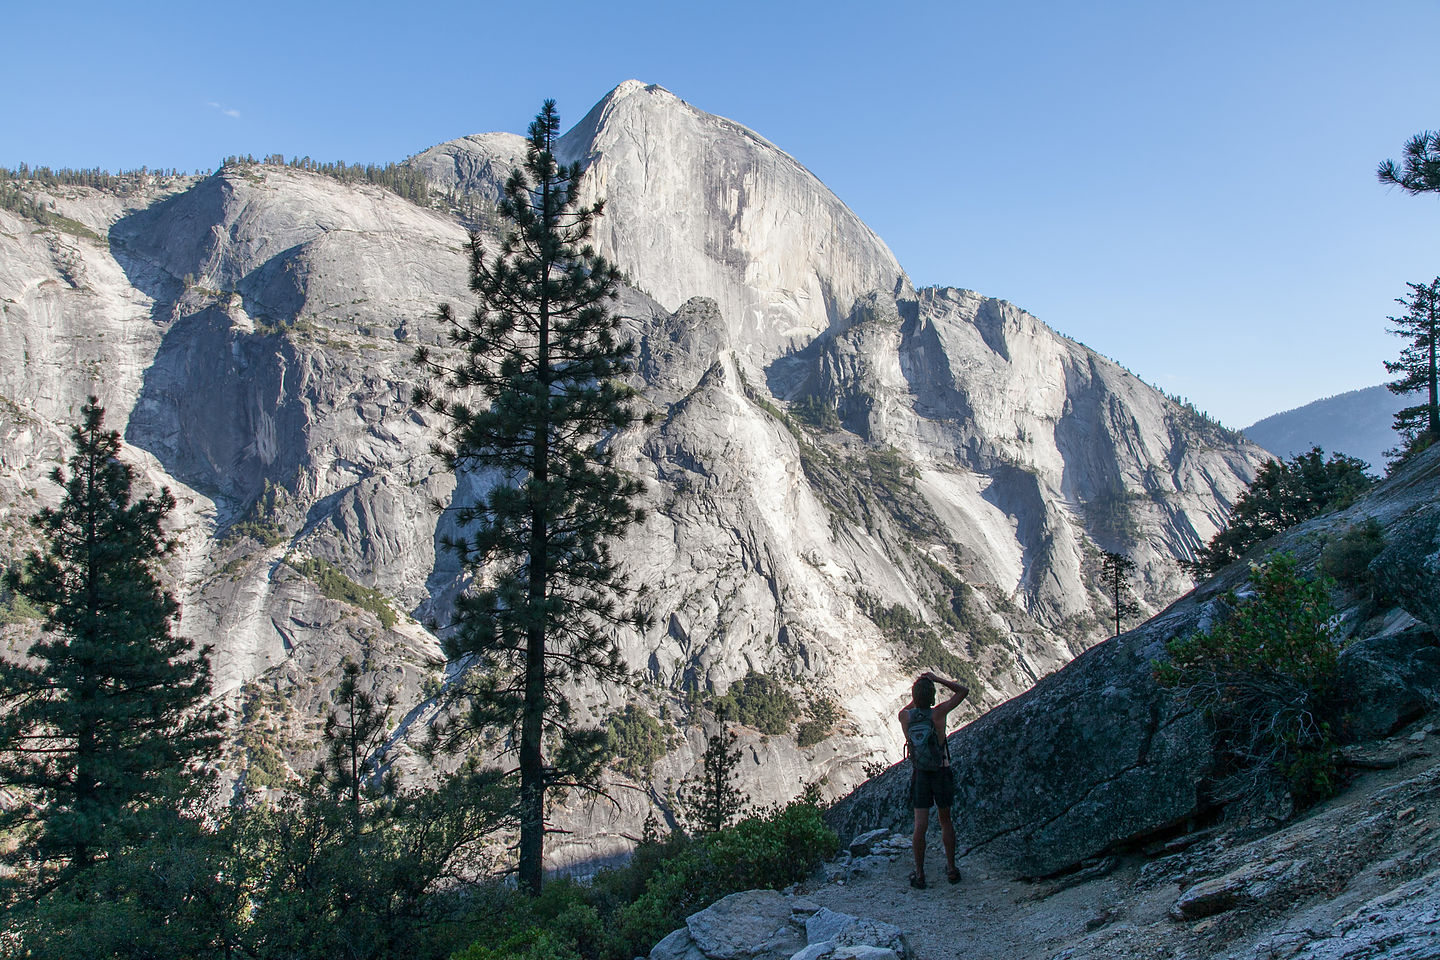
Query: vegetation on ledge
{"type": "Point", "coordinates": [334, 584]}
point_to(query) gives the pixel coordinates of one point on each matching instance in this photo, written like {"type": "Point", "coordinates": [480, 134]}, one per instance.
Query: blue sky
{"type": "Point", "coordinates": [1187, 188]}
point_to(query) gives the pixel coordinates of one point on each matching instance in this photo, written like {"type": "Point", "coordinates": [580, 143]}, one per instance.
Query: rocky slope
{"type": "Point", "coordinates": [1088, 825]}
{"type": "Point", "coordinates": [1099, 773]}
{"type": "Point", "coordinates": [849, 479]}
{"type": "Point", "coordinates": [1098, 755]}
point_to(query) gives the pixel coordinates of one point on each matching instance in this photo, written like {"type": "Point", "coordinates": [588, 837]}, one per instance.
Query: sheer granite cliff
{"type": "Point", "coordinates": [833, 452]}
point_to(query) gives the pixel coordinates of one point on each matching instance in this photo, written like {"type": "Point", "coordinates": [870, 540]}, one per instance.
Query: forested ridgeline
{"type": "Point", "coordinates": [19, 186]}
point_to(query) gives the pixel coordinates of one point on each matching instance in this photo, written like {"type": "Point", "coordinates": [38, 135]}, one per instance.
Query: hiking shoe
{"type": "Point", "coordinates": [953, 875]}
{"type": "Point", "coordinates": [917, 880]}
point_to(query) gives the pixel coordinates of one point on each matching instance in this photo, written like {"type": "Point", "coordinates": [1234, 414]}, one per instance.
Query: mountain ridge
{"type": "Point", "coordinates": [1356, 422]}
{"type": "Point", "coordinates": [252, 330]}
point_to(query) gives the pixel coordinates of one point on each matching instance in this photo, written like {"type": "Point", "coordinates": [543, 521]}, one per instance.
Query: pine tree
{"type": "Point", "coordinates": [545, 353]}
{"type": "Point", "coordinates": [106, 716]}
{"type": "Point", "coordinates": [352, 739]}
{"type": "Point", "coordinates": [1115, 571]}
{"type": "Point", "coordinates": [1416, 366]}
{"type": "Point", "coordinates": [713, 801]}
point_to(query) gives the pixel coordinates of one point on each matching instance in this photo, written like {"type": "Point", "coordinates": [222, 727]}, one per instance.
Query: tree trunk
{"type": "Point", "coordinates": [532, 759]}
{"type": "Point", "coordinates": [1434, 400]}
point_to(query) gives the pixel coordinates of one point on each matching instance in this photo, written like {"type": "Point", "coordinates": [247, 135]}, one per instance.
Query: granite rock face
{"type": "Point", "coordinates": [250, 332]}
{"type": "Point", "coordinates": [1409, 567]}
{"type": "Point", "coordinates": [1391, 679]}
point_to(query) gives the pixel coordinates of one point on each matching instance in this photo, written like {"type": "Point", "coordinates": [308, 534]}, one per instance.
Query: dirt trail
{"type": "Point", "coordinates": [1359, 876]}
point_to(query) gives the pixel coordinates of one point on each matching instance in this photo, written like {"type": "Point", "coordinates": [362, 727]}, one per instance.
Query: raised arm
{"type": "Point", "coordinates": [958, 692]}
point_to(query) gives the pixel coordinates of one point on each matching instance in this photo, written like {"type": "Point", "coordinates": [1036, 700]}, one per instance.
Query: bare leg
{"type": "Point", "coordinates": [922, 823]}
{"type": "Point", "coordinates": [947, 836]}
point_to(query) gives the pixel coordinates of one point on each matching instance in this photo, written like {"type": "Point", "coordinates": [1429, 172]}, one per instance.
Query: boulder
{"type": "Point", "coordinates": [679, 945]}
{"type": "Point", "coordinates": [833, 951]}
{"type": "Point", "coordinates": [1253, 883]}
{"type": "Point", "coordinates": [765, 925]}
{"type": "Point", "coordinates": [862, 845]}
{"type": "Point", "coordinates": [831, 934]}
{"type": "Point", "coordinates": [1407, 571]}
{"type": "Point", "coordinates": [1390, 681]}
{"type": "Point", "coordinates": [751, 924]}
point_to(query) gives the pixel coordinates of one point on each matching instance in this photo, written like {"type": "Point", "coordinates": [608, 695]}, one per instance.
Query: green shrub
{"type": "Point", "coordinates": [823, 715]}
{"type": "Point", "coordinates": [636, 740]}
{"type": "Point", "coordinates": [334, 584]}
{"type": "Point", "coordinates": [626, 911]}
{"type": "Point", "coordinates": [759, 701]}
{"type": "Point", "coordinates": [1347, 559]}
{"type": "Point", "coordinates": [771, 850]}
{"type": "Point", "coordinates": [560, 924]}
{"type": "Point", "coordinates": [1266, 678]}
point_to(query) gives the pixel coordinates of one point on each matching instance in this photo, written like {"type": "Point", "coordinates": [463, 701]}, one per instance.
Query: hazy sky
{"type": "Point", "coordinates": [1187, 188]}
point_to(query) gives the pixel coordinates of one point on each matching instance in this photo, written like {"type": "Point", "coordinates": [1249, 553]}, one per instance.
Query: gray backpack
{"type": "Point", "coordinates": [927, 751]}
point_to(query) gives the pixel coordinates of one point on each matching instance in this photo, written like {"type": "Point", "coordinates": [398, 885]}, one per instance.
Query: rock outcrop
{"type": "Point", "coordinates": [766, 925]}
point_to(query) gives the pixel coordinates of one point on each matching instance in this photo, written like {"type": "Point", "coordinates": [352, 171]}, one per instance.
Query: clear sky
{"type": "Point", "coordinates": [1187, 188]}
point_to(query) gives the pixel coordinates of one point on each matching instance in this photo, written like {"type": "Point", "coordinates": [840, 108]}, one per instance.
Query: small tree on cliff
{"type": "Point", "coordinates": [106, 714]}
{"type": "Point", "coordinates": [544, 352]}
{"type": "Point", "coordinates": [1115, 571]}
{"type": "Point", "coordinates": [348, 768]}
{"type": "Point", "coordinates": [1420, 324]}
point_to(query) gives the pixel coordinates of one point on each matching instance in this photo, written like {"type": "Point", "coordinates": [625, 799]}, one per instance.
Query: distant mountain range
{"type": "Point", "coordinates": [1358, 423]}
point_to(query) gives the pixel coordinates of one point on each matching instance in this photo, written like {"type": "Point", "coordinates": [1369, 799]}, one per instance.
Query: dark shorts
{"type": "Point", "coordinates": [932, 787]}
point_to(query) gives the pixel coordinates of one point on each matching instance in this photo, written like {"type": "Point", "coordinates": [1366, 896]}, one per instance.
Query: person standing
{"type": "Point", "coordinates": [931, 781]}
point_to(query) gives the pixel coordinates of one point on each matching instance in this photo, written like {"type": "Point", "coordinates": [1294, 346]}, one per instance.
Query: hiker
{"type": "Point", "coordinates": [930, 779]}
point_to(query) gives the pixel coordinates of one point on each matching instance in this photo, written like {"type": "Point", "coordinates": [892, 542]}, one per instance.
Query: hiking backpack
{"type": "Point", "coordinates": [926, 749]}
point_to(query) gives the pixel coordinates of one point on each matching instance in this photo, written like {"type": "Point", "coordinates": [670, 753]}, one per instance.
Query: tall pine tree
{"type": "Point", "coordinates": [107, 713]}
{"type": "Point", "coordinates": [544, 352]}
{"type": "Point", "coordinates": [1115, 571]}
{"type": "Point", "coordinates": [1420, 324]}
{"type": "Point", "coordinates": [710, 802]}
